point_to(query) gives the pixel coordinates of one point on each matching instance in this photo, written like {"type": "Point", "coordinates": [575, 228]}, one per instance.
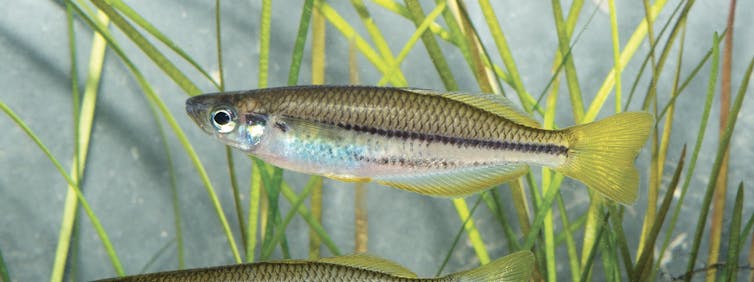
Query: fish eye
{"type": "Point", "coordinates": [224, 120]}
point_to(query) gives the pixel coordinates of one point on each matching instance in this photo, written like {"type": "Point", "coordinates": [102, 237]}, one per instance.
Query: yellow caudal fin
{"type": "Point", "coordinates": [601, 154]}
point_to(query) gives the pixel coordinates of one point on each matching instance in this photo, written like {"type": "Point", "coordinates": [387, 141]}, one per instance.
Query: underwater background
{"type": "Point", "coordinates": [128, 178]}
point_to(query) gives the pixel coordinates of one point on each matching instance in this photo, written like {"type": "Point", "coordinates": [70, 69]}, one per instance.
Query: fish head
{"type": "Point", "coordinates": [236, 120]}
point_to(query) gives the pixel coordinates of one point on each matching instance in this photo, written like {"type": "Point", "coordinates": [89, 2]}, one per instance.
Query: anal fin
{"type": "Point", "coordinates": [457, 182]}
{"type": "Point", "coordinates": [348, 178]}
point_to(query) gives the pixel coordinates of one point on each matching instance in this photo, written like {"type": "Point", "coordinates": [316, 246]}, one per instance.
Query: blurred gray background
{"type": "Point", "coordinates": [127, 182]}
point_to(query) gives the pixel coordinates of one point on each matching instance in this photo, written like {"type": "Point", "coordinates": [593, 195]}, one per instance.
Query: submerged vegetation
{"type": "Point", "coordinates": [596, 240]}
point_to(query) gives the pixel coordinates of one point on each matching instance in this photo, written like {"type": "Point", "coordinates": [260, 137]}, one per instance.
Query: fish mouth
{"type": "Point", "coordinates": [198, 108]}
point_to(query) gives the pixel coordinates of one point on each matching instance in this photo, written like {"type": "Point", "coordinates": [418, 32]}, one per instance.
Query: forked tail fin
{"type": "Point", "coordinates": [601, 154]}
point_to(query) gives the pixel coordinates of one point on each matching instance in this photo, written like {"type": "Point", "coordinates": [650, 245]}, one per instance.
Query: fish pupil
{"type": "Point", "coordinates": [222, 117]}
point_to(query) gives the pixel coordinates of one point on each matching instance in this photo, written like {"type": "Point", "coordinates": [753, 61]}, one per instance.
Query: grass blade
{"type": "Point", "coordinates": [314, 181]}
{"type": "Point", "coordinates": [318, 77]}
{"type": "Point", "coordinates": [642, 269]}
{"type": "Point", "coordinates": [420, 31]}
{"type": "Point", "coordinates": [725, 140]}
{"type": "Point", "coordinates": [505, 52]}
{"type": "Point", "coordinates": [721, 189]}
{"type": "Point", "coordinates": [150, 50]}
{"type": "Point", "coordinates": [416, 13]}
{"type": "Point", "coordinates": [457, 237]}
{"type": "Point", "coordinates": [374, 33]}
{"type": "Point", "coordinates": [348, 32]}
{"type": "Point", "coordinates": [153, 98]}
{"type": "Point", "coordinates": [474, 236]}
{"type": "Point", "coordinates": [83, 120]}
{"type": "Point", "coordinates": [4, 276]}
{"type": "Point", "coordinates": [148, 27]}
{"type": "Point", "coordinates": [84, 203]}
{"type": "Point", "coordinates": [313, 222]}
{"type": "Point", "coordinates": [711, 85]}
{"type": "Point", "coordinates": [298, 48]}
{"type": "Point", "coordinates": [255, 191]}
{"type": "Point", "coordinates": [574, 89]}
{"type": "Point", "coordinates": [731, 263]}
{"type": "Point", "coordinates": [628, 51]}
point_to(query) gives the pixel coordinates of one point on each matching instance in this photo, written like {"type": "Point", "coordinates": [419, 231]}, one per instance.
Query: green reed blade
{"type": "Point", "coordinates": [374, 32]}
{"type": "Point", "coordinates": [586, 268]}
{"type": "Point", "coordinates": [496, 31]}
{"type": "Point", "coordinates": [318, 69]}
{"type": "Point", "coordinates": [420, 31]}
{"type": "Point", "coordinates": [271, 184]}
{"type": "Point", "coordinates": [180, 248]}
{"type": "Point", "coordinates": [83, 120]}
{"type": "Point", "coordinates": [567, 234]}
{"type": "Point", "coordinates": [723, 145]}
{"type": "Point", "coordinates": [314, 181]}
{"type": "Point", "coordinates": [313, 223]}
{"type": "Point", "coordinates": [153, 98]}
{"type": "Point", "coordinates": [616, 51]}
{"type": "Point", "coordinates": [149, 49]}
{"type": "Point", "coordinates": [84, 203]}
{"type": "Point", "coordinates": [152, 30]}
{"type": "Point", "coordinates": [416, 14]}
{"type": "Point", "coordinates": [629, 50]}
{"type": "Point", "coordinates": [711, 85]}
{"type": "Point", "coordinates": [457, 237]}
{"type": "Point", "coordinates": [4, 276]}
{"type": "Point", "coordinates": [155, 256]}
{"type": "Point", "coordinates": [644, 261]}
{"type": "Point", "coordinates": [298, 47]}
{"type": "Point", "coordinates": [679, 24]}
{"type": "Point", "coordinates": [731, 262]}
{"type": "Point", "coordinates": [348, 32]}
{"type": "Point", "coordinates": [492, 200]}
{"type": "Point", "coordinates": [721, 189]}
{"type": "Point", "coordinates": [255, 191]}
{"type": "Point", "coordinates": [399, 9]}
{"type": "Point", "coordinates": [474, 236]}
{"type": "Point", "coordinates": [574, 89]}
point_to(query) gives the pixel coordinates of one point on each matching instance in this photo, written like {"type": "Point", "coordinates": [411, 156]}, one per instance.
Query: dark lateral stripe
{"type": "Point", "coordinates": [551, 149]}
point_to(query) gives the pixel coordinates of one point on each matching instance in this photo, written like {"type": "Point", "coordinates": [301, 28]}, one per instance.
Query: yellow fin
{"type": "Point", "coordinates": [348, 178]}
{"type": "Point", "coordinates": [601, 154]}
{"type": "Point", "coordinates": [457, 182]}
{"type": "Point", "coordinates": [514, 267]}
{"type": "Point", "coordinates": [493, 103]}
{"type": "Point", "coordinates": [364, 261]}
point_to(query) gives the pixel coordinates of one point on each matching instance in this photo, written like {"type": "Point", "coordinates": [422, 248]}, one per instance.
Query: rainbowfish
{"type": "Point", "coordinates": [429, 142]}
{"type": "Point", "coordinates": [514, 267]}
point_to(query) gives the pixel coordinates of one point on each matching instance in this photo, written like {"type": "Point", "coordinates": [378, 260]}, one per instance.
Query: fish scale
{"type": "Point", "coordinates": [341, 104]}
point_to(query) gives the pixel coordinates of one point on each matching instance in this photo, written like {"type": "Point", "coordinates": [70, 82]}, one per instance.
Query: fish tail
{"type": "Point", "coordinates": [514, 267]}
{"type": "Point", "coordinates": [601, 154]}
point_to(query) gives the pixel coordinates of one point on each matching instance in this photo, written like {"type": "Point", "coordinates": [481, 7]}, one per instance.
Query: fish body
{"type": "Point", "coordinates": [515, 267]}
{"type": "Point", "coordinates": [434, 143]}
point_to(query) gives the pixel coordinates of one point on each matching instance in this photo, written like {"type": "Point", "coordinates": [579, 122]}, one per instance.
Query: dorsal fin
{"type": "Point", "coordinates": [493, 103]}
{"type": "Point", "coordinates": [364, 261]}
{"type": "Point", "coordinates": [514, 267]}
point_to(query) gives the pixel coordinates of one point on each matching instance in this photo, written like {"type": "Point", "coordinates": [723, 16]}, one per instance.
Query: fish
{"type": "Point", "coordinates": [359, 267]}
{"type": "Point", "coordinates": [447, 144]}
